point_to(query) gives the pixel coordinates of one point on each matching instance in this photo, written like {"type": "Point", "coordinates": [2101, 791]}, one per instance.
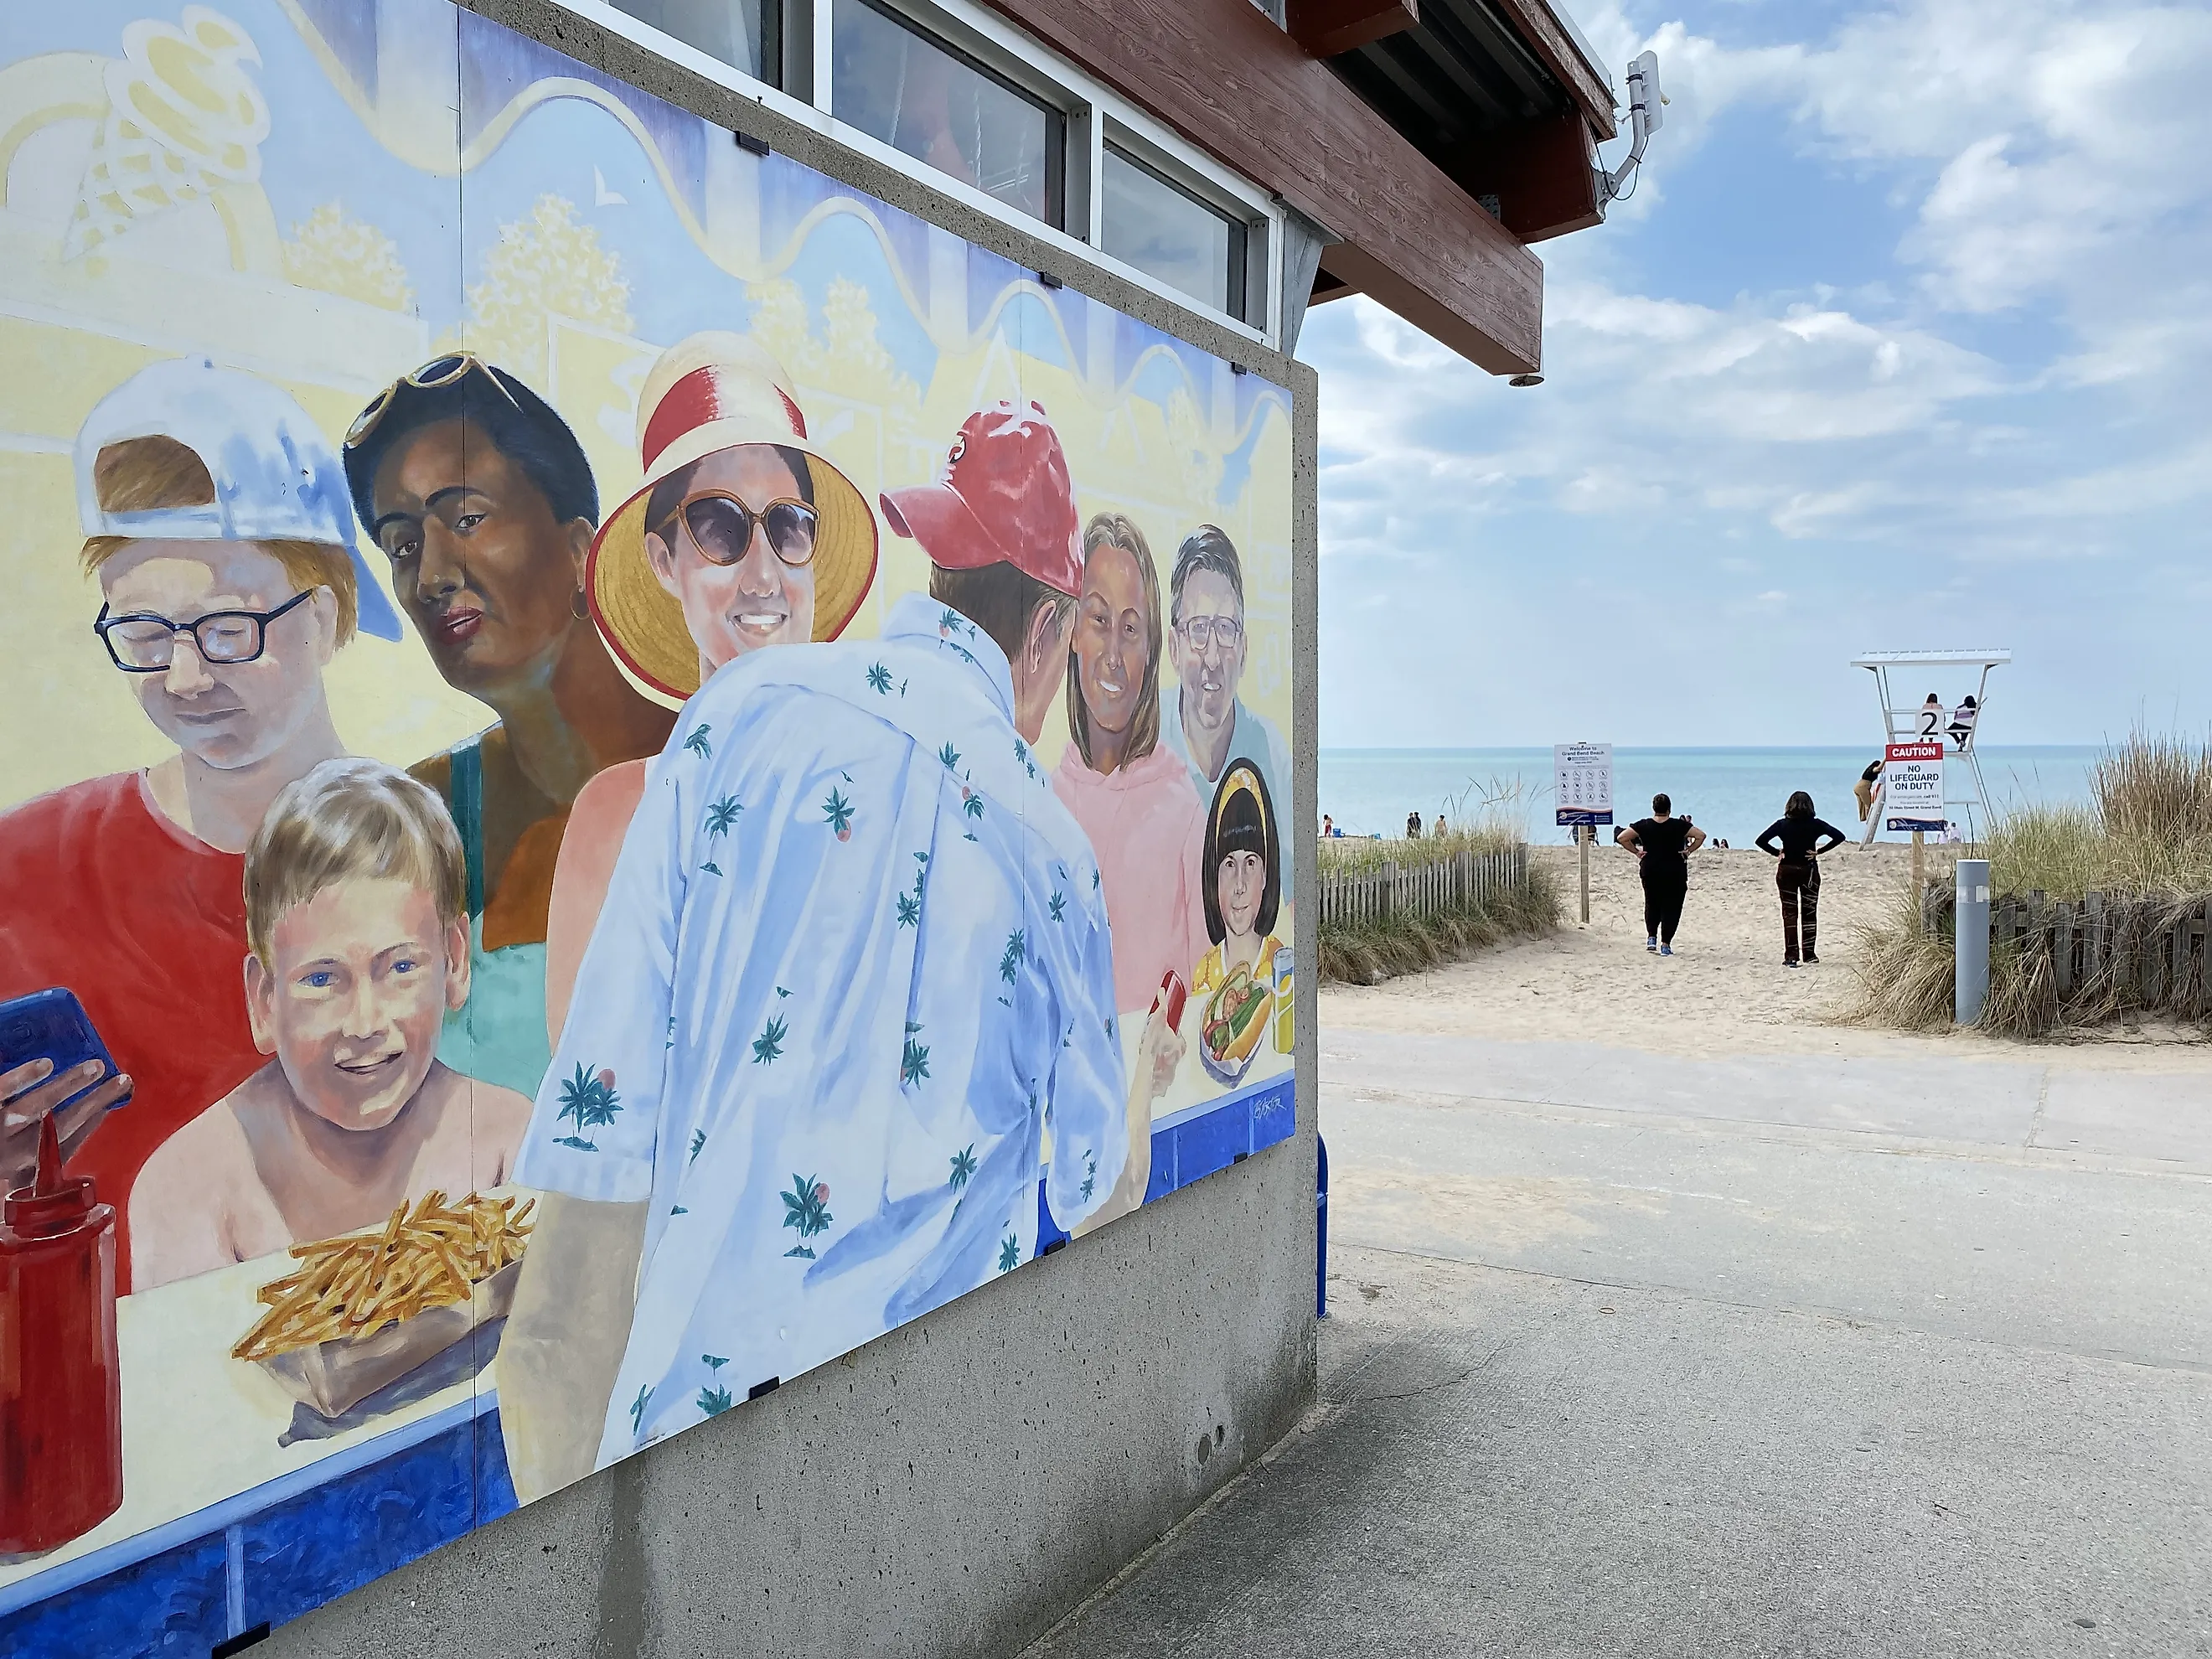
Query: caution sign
{"type": "Point", "coordinates": [1912, 785]}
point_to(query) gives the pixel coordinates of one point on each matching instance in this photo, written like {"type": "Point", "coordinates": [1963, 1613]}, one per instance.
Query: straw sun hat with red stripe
{"type": "Point", "coordinates": [710, 392]}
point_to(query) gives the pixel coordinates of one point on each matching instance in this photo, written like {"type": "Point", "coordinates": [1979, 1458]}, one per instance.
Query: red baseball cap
{"type": "Point", "coordinates": [1006, 497]}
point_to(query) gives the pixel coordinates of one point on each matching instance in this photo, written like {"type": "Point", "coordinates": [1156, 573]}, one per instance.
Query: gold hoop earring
{"type": "Point", "coordinates": [577, 608]}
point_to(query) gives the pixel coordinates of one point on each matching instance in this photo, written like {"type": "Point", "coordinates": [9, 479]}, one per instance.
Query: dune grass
{"type": "Point", "coordinates": [1369, 953]}
{"type": "Point", "coordinates": [2144, 841]}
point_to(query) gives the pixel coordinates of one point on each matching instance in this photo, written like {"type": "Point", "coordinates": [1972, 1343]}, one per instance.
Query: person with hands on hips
{"type": "Point", "coordinates": [1662, 843]}
{"type": "Point", "coordinates": [1797, 840]}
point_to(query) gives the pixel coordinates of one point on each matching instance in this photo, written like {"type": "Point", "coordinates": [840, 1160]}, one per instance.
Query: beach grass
{"type": "Point", "coordinates": [1367, 953]}
{"type": "Point", "coordinates": [2144, 843]}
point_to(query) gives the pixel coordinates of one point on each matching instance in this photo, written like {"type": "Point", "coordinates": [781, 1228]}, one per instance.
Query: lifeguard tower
{"type": "Point", "coordinates": [1906, 717]}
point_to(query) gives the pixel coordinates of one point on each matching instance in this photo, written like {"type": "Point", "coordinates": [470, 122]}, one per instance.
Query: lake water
{"type": "Point", "coordinates": [1730, 792]}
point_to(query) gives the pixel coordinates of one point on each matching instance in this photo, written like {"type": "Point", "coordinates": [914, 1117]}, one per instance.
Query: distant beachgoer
{"type": "Point", "coordinates": [1661, 844]}
{"type": "Point", "coordinates": [1795, 841]}
{"type": "Point", "coordinates": [1439, 831]}
{"type": "Point", "coordinates": [1412, 826]}
{"type": "Point", "coordinates": [1863, 791]}
{"type": "Point", "coordinates": [1962, 722]}
{"type": "Point", "coordinates": [1327, 826]}
{"type": "Point", "coordinates": [1931, 718]}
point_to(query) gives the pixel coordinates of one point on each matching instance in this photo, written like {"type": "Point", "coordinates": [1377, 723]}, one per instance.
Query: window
{"type": "Point", "coordinates": [938, 106]}
{"type": "Point", "coordinates": [1169, 233]}
{"type": "Point", "coordinates": [743, 34]}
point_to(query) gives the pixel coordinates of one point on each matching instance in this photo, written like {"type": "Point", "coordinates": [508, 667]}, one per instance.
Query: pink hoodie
{"type": "Point", "coordinates": [1148, 829]}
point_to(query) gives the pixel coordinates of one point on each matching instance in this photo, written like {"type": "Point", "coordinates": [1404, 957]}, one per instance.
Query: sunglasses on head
{"type": "Point", "coordinates": [436, 374]}
{"type": "Point", "coordinates": [721, 527]}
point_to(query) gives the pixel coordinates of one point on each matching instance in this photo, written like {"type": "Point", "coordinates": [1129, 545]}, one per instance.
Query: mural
{"type": "Point", "coordinates": [625, 768]}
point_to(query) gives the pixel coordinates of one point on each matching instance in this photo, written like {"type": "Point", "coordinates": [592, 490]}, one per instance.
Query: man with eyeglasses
{"type": "Point", "coordinates": [1206, 643]}
{"type": "Point", "coordinates": [218, 527]}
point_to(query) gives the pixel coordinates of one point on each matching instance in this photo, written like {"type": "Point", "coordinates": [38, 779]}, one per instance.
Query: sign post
{"type": "Point", "coordinates": [1583, 777]}
{"type": "Point", "coordinates": [1912, 794]}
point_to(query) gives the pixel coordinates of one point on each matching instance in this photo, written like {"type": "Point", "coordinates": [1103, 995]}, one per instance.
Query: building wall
{"type": "Point", "coordinates": [952, 1487]}
{"type": "Point", "coordinates": [957, 1485]}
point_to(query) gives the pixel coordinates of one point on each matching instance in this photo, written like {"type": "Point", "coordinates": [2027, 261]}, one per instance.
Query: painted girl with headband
{"type": "Point", "coordinates": [1243, 893]}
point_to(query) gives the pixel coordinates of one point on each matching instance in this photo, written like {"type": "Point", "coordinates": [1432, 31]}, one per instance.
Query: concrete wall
{"type": "Point", "coordinates": [957, 1485]}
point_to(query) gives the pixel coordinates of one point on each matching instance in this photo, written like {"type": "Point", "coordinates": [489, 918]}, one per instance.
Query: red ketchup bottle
{"type": "Point", "coordinates": [61, 1392]}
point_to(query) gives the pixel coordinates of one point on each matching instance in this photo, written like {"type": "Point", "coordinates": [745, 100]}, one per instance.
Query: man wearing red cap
{"type": "Point", "coordinates": [853, 965]}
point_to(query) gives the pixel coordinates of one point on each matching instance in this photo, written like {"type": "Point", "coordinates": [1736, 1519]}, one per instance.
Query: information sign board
{"type": "Point", "coordinates": [1583, 779]}
{"type": "Point", "coordinates": [1912, 785]}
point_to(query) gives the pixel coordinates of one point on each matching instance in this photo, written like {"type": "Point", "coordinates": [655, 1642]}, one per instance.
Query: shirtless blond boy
{"type": "Point", "coordinates": [356, 918]}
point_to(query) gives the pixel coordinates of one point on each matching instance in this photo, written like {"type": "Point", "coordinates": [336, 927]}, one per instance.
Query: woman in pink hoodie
{"type": "Point", "coordinates": [1131, 796]}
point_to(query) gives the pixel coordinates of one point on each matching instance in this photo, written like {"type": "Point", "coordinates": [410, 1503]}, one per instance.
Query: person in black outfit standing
{"type": "Point", "coordinates": [1661, 844]}
{"type": "Point", "coordinates": [1797, 840]}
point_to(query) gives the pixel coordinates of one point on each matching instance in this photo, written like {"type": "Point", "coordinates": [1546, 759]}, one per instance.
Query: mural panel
{"type": "Point", "coordinates": [626, 769]}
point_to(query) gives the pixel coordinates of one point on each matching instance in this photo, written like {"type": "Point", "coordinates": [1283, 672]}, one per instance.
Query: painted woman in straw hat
{"type": "Point", "coordinates": [740, 536]}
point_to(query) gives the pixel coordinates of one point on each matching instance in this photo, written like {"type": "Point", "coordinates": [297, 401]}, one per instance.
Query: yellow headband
{"type": "Point", "coordinates": [1246, 781]}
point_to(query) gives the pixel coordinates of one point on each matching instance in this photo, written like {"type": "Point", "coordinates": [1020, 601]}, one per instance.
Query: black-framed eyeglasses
{"type": "Point", "coordinates": [721, 526]}
{"type": "Point", "coordinates": [1203, 632]}
{"type": "Point", "coordinates": [439, 373]}
{"type": "Point", "coordinates": [142, 642]}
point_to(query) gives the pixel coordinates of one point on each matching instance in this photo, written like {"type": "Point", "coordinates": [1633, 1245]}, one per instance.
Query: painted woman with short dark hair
{"type": "Point", "coordinates": [1662, 843]}
{"type": "Point", "coordinates": [480, 497]}
{"type": "Point", "coordinates": [1797, 840]}
{"type": "Point", "coordinates": [1241, 866]}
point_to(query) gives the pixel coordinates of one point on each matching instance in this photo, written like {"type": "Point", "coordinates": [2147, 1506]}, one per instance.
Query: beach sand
{"type": "Point", "coordinates": [1725, 990]}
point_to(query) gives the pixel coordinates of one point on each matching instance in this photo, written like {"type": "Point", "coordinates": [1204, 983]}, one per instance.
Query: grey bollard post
{"type": "Point", "coordinates": [1971, 948]}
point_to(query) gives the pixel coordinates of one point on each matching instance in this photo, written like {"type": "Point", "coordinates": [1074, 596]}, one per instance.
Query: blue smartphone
{"type": "Point", "coordinates": [53, 1024]}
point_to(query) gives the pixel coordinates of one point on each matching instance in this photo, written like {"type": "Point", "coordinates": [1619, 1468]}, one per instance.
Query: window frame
{"type": "Point", "coordinates": [1093, 116]}
{"type": "Point", "coordinates": [1240, 277]}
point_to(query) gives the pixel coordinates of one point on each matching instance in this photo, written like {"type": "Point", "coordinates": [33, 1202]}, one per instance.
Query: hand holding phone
{"type": "Point", "coordinates": [52, 1063]}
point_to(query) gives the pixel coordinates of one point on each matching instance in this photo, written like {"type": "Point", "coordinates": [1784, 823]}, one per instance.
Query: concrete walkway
{"type": "Point", "coordinates": [1777, 1354]}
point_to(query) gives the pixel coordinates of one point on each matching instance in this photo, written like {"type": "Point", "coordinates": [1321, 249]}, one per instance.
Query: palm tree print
{"type": "Point", "coordinates": [592, 1101]}
{"type": "Point", "coordinates": [698, 1145]}
{"type": "Point", "coordinates": [910, 910]}
{"type": "Point", "coordinates": [697, 744]}
{"type": "Point", "coordinates": [710, 868]}
{"type": "Point", "coordinates": [879, 679]}
{"type": "Point", "coordinates": [1058, 907]}
{"type": "Point", "coordinates": [806, 1207]}
{"type": "Point", "coordinates": [914, 1063]}
{"type": "Point", "coordinates": [837, 811]}
{"type": "Point", "coordinates": [767, 1046]}
{"type": "Point", "coordinates": [950, 622]}
{"type": "Point", "coordinates": [1010, 1253]}
{"type": "Point", "coordinates": [971, 804]}
{"type": "Point", "coordinates": [1090, 1175]}
{"type": "Point", "coordinates": [721, 815]}
{"type": "Point", "coordinates": [714, 1400]}
{"type": "Point", "coordinates": [1010, 960]}
{"type": "Point", "coordinates": [950, 756]}
{"type": "Point", "coordinates": [963, 1166]}
{"type": "Point", "coordinates": [637, 1408]}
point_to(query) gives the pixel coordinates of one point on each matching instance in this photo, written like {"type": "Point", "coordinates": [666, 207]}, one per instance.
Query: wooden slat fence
{"type": "Point", "coordinates": [2105, 955]}
{"type": "Point", "coordinates": [1431, 887]}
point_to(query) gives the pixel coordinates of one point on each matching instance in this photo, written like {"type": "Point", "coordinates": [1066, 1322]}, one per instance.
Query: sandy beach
{"type": "Point", "coordinates": [1724, 991]}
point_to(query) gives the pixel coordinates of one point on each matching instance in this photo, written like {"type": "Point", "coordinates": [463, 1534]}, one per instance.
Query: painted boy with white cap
{"type": "Point", "coordinates": [218, 524]}
{"type": "Point", "coordinates": [852, 967]}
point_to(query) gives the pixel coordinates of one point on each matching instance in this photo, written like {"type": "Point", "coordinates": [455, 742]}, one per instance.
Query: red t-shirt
{"type": "Point", "coordinates": [102, 894]}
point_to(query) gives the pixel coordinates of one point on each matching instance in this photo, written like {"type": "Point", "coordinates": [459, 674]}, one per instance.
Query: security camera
{"type": "Point", "coordinates": [1646, 115]}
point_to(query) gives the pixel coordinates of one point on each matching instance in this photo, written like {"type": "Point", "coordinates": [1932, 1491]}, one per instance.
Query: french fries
{"type": "Point", "coordinates": [430, 1257]}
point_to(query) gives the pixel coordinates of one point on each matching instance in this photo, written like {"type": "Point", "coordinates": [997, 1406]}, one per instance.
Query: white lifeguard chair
{"type": "Point", "coordinates": [1957, 727]}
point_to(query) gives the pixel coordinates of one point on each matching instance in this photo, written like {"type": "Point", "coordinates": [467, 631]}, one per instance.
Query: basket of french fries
{"type": "Point", "coordinates": [363, 1309]}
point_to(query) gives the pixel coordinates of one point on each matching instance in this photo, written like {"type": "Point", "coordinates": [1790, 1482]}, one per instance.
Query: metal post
{"type": "Point", "coordinates": [1919, 876]}
{"type": "Point", "coordinates": [1584, 833]}
{"type": "Point", "coordinates": [1971, 948]}
{"type": "Point", "coordinates": [1321, 1228]}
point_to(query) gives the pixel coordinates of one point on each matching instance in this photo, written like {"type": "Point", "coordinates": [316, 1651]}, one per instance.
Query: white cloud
{"type": "Point", "coordinates": [2011, 413]}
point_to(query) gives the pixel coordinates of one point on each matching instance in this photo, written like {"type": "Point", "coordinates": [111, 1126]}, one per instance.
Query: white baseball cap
{"type": "Point", "coordinates": [277, 477]}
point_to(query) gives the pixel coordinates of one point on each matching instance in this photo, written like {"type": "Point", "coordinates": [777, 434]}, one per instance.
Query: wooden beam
{"type": "Point", "coordinates": [1328, 285]}
{"type": "Point", "coordinates": [1556, 49]}
{"type": "Point", "coordinates": [1226, 78]}
{"type": "Point", "coordinates": [1327, 28]}
{"type": "Point", "coordinates": [1543, 172]}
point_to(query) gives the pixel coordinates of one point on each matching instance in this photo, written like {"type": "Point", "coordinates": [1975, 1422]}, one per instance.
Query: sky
{"type": "Point", "coordinates": [1902, 342]}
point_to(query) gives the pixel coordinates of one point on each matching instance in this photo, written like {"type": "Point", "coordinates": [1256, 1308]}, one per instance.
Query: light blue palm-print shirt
{"type": "Point", "coordinates": [853, 962]}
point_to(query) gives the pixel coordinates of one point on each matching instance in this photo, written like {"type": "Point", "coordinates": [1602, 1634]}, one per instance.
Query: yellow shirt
{"type": "Point", "coordinates": [1213, 972]}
